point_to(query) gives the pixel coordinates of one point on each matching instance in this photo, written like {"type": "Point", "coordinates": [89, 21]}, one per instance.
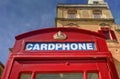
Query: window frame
{"type": "Point", "coordinates": [95, 2]}
{"type": "Point", "coordinates": [72, 13]}
{"type": "Point", "coordinates": [104, 30]}
{"type": "Point", "coordinates": [97, 14]}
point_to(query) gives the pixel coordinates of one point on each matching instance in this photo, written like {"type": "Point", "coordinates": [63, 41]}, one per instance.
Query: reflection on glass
{"type": "Point", "coordinates": [93, 76]}
{"type": "Point", "coordinates": [60, 76]}
{"type": "Point", "coordinates": [25, 76]}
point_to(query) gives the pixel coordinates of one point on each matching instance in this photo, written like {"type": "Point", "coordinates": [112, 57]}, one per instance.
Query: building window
{"type": "Point", "coordinates": [110, 35]}
{"type": "Point", "coordinates": [72, 14]}
{"type": "Point", "coordinates": [97, 13]}
{"type": "Point", "coordinates": [95, 2]}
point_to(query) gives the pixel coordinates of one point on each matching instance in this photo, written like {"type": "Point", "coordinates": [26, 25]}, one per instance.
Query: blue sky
{"type": "Point", "coordinates": [19, 16]}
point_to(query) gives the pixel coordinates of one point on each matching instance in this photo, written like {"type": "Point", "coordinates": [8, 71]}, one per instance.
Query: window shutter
{"type": "Point", "coordinates": [100, 31]}
{"type": "Point", "coordinates": [113, 35]}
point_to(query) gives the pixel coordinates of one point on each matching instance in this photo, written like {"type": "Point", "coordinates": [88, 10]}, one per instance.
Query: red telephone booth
{"type": "Point", "coordinates": [60, 53]}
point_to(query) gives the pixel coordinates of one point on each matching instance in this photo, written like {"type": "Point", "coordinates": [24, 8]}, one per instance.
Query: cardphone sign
{"type": "Point", "coordinates": [32, 46]}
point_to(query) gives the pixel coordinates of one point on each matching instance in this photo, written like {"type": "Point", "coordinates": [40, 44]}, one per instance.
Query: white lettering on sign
{"type": "Point", "coordinates": [66, 46]}
{"type": "Point", "coordinates": [60, 46]}
{"type": "Point", "coordinates": [51, 46]}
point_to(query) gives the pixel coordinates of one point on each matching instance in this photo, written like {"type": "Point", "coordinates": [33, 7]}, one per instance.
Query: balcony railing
{"type": "Point", "coordinates": [117, 28]}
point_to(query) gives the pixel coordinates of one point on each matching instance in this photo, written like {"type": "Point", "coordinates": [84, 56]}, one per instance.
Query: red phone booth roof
{"type": "Point", "coordinates": [61, 35]}
{"type": "Point", "coordinates": [49, 30]}
{"type": "Point", "coordinates": [28, 56]}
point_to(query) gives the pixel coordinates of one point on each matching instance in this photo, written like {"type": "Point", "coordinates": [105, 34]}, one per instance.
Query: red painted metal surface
{"type": "Point", "coordinates": [45, 61]}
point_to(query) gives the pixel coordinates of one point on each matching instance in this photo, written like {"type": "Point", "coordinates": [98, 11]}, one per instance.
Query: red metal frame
{"type": "Point", "coordinates": [99, 60]}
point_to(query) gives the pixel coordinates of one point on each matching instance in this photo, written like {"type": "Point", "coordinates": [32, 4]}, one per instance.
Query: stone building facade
{"type": "Point", "coordinates": [1, 69]}
{"type": "Point", "coordinates": [95, 16]}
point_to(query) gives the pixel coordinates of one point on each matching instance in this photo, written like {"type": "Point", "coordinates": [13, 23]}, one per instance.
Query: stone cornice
{"type": "Point", "coordinates": [86, 19]}
{"type": "Point", "coordinates": [82, 6]}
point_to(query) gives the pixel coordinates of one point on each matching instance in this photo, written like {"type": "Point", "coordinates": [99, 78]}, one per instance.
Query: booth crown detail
{"type": "Point", "coordinates": [60, 36]}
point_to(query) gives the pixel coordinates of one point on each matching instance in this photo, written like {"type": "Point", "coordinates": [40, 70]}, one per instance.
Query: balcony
{"type": "Point", "coordinates": [117, 28]}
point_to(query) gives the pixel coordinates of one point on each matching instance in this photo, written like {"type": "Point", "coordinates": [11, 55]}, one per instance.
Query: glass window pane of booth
{"type": "Point", "coordinates": [60, 76]}
{"type": "Point", "coordinates": [93, 76]}
{"type": "Point", "coordinates": [25, 76]}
